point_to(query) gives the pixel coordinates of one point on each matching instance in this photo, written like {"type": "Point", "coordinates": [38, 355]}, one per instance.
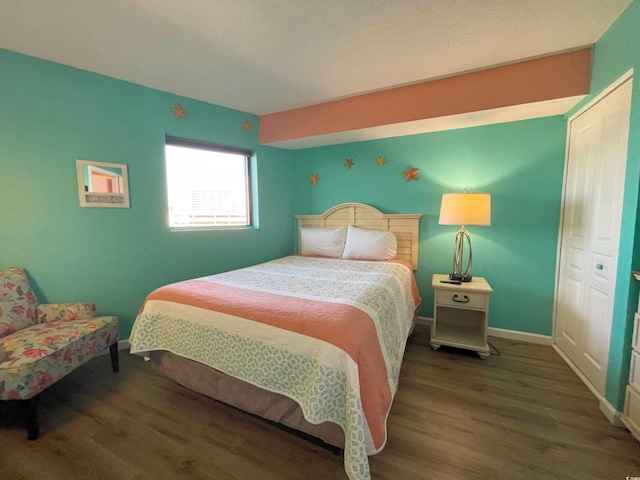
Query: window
{"type": "Point", "coordinates": [208, 185]}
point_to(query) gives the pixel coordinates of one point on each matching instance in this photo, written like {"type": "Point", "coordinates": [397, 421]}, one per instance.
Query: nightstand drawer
{"type": "Point", "coordinates": [635, 341]}
{"type": "Point", "coordinates": [631, 416]}
{"type": "Point", "coordinates": [461, 299]}
{"type": "Point", "coordinates": [634, 372]}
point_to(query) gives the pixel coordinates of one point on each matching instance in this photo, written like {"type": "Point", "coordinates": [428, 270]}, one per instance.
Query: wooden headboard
{"type": "Point", "coordinates": [404, 226]}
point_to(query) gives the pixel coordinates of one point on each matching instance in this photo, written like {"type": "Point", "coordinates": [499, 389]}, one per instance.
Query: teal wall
{"type": "Point", "coordinates": [617, 51]}
{"type": "Point", "coordinates": [51, 115]}
{"type": "Point", "coordinates": [520, 164]}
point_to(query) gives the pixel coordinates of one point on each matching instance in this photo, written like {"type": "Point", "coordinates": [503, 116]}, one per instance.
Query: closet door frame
{"type": "Point", "coordinates": [608, 90]}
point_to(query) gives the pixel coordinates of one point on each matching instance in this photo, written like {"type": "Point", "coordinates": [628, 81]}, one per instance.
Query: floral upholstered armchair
{"type": "Point", "coordinates": [40, 344]}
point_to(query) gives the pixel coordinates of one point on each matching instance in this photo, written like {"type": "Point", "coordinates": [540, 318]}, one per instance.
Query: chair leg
{"type": "Point", "coordinates": [31, 413]}
{"type": "Point", "coordinates": [113, 349]}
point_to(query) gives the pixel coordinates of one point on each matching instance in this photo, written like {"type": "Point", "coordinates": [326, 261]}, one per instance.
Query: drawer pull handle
{"type": "Point", "coordinates": [465, 299]}
{"type": "Point", "coordinates": [599, 266]}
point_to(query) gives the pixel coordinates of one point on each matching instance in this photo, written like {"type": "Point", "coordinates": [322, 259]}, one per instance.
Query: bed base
{"type": "Point", "coordinates": [267, 405]}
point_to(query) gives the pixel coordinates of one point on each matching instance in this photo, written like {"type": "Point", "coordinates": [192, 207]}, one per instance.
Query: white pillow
{"type": "Point", "coordinates": [369, 245]}
{"type": "Point", "coordinates": [328, 242]}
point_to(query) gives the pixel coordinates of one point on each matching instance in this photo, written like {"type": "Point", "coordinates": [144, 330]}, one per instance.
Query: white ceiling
{"type": "Point", "coordinates": [264, 56]}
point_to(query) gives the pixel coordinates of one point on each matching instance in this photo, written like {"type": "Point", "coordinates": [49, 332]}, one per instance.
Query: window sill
{"type": "Point", "coordinates": [212, 228]}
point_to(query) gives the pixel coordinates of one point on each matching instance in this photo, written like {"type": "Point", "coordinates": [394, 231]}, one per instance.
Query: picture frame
{"type": "Point", "coordinates": [102, 184]}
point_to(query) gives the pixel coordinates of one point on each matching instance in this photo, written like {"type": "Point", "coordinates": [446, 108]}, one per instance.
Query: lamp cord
{"type": "Point", "coordinates": [491, 348]}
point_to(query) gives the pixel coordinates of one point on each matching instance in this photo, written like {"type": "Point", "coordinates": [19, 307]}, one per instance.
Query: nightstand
{"type": "Point", "coordinates": [631, 417]}
{"type": "Point", "coordinates": [461, 314]}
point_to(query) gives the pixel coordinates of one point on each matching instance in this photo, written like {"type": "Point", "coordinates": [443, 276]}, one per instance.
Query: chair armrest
{"type": "Point", "coordinates": [63, 312]}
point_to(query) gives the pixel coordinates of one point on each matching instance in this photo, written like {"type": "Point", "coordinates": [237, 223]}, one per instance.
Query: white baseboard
{"type": "Point", "coordinates": [503, 333]}
{"type": "Point", "coordinates": [520, 336]}
{"type": "Point", "coordinates": [613, 415]}
{"type": "Point", "coordinates": [424, 321]}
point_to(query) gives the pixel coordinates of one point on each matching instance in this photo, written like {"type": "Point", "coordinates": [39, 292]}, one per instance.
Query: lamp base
{"type": "Point", "coordinates": [459, 277]}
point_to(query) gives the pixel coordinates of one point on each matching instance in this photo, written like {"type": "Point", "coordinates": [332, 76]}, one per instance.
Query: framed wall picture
{"type": "Point", "coordinates": [102, 184]}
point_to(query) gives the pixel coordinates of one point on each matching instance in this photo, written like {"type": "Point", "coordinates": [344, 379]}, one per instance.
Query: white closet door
{"type": "Point", "coordinates": [592, 212]}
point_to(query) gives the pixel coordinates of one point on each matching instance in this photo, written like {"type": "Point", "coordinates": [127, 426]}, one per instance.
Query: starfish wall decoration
{"type": "Point", "coordinates": [178, 112]}
{"type": "Point", "coordinates": [349, 163]}
{"type": "Point", "coordinates": [246, 125]}
{"type": "Point", "coordinates": [381, 161]}
{"type": "Point", "coordinates": [412, 173]}
{"type": "Point", "coordinates": [314, 178]}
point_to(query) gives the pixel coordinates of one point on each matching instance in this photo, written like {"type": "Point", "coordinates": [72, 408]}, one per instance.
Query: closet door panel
{"type": "Point", "coordinates": [592, 215]}
{"type": "Point", "coordinates": [574, 253]}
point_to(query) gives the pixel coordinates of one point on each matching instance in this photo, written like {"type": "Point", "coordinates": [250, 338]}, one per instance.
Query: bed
{"type": "Point", "coordinates": [311, 341]}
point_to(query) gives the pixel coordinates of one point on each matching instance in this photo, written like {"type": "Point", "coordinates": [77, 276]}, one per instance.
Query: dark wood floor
{"type": "Point", "coordinates": [521, 415]}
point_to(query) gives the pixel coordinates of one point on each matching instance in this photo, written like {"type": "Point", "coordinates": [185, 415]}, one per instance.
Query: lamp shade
{"type": "Point", "coordinates": [465, 209]}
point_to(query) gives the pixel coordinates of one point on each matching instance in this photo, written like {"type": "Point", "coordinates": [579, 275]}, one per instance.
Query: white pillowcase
{"type": "Point", "coordinates": [328, 242]}
{"type": "Point", "coordinates": [369, 245]}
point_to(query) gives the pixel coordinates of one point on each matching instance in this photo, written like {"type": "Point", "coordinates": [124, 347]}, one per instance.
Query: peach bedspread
{"type": "Point", "coordinates": [327, 333]}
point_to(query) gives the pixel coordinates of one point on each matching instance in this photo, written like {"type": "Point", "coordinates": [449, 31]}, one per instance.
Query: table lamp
{"type": "Point", "coordinates": [464, 209]}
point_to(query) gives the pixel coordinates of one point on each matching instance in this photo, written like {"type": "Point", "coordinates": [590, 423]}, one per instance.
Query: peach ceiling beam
{"type": "Point", "coordinates": [541, 79]}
